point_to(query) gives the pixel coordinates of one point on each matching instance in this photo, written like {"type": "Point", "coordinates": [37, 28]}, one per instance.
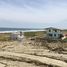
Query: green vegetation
{"type": "Point", "coordinates": [4, 36]}
{"type": "Point", "coordinates": [32, 34]}
{"type": "Point", "coordinates": [65, 40]}
{"type": "Point", "coordinates": [29, 34]}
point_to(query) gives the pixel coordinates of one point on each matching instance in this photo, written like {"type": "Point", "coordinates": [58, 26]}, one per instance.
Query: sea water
{"type": "Point", "coordinates": [10, 31]}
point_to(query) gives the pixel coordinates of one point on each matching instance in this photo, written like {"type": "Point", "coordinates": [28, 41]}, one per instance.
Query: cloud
{"type": "Point", "coordinates": [33, 11]}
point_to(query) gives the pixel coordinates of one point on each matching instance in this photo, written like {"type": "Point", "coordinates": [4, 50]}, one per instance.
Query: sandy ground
{"type": "Point", "coordinates": [10, 63]}
{"type": "Point", "coordinates": [27, 47]}
{"type": "Point", "coordinates": [19, 47]}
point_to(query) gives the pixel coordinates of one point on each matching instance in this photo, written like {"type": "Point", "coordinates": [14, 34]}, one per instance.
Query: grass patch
{"type": "Point", "coordinates": [65, 40]}
{"type": "Point", "coordinates": [29, 34]}
{"type": "Point", "coordinates": [4, 36]}
{"type": "Point", "coordinates": [32, 34]}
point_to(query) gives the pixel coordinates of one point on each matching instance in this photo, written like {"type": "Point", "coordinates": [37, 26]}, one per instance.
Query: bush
{"type": "Point", "coordinates": [4, 37]}
{"type": "Point", "coordinates": [65, 40]}
{"type": "Point", "coordinates": [29, 34]}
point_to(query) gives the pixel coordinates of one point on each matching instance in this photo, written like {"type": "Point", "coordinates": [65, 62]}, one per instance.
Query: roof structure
{"type": "Point", "coordinates": [52, 28]}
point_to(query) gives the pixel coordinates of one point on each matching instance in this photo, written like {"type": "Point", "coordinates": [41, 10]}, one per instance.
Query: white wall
{"type": "Point", "coordinates": [53, 32]}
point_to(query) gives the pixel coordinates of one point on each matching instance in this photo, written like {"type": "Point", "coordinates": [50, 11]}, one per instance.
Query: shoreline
{"type": "Point", "coordinates": [20, 30]}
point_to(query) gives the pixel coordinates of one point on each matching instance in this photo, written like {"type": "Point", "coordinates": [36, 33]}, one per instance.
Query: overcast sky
{"type": "Point", "coordinates": [33, 13]}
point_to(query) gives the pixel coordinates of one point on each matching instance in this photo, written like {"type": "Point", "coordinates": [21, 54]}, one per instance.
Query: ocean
{"type": "Point", "coordinates": [9, 30]}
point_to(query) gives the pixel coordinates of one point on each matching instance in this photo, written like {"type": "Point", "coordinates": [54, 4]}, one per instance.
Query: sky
{"type": "Point", "coordinates": [33, 13]}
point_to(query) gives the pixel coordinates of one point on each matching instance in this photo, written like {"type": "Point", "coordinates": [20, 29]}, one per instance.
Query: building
{"type": "Point", "coordinates": [53, 33]}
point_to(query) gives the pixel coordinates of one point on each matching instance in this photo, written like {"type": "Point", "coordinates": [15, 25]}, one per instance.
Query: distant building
{"type": "Point", "coordinates": [53, 33]}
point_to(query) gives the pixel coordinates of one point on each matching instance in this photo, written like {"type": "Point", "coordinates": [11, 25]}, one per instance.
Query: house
{"type": "Point", "coordinates": [53, 33]}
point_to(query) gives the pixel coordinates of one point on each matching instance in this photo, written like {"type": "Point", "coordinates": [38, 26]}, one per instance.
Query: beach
{"type": "Point", "coordinates": [33, 33]}
{"type": "Point", "coordinates": [28, 51]}
{"type": "Point", "coordinates": [29, 47]}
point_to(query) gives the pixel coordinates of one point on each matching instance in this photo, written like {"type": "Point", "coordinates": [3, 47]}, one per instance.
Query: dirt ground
{"type": "Point", "coordinates": [10, 63]}
{"type": "Point", "coordinates": [30, 47]}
